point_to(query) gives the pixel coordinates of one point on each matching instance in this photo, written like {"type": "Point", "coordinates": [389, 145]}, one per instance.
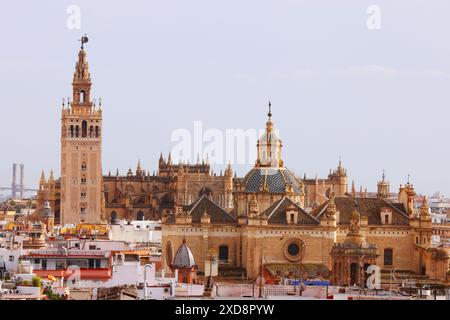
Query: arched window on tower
{"type": "Point", "coordinates": [71, 131]}
{"type": "Point", "coordinates": [97, 131]}
{"type": "Point", "coordinates": [84, 129]}
{"type": "Point", "coordinates": [91, 131]}
{"type": "Point", "coordinates": [77, 131]}
{"type": "Point", "coordinates": [82, 96]}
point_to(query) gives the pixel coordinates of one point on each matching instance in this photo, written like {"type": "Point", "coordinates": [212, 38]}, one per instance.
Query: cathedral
{"type": "Point", "coordinates": [270, 217]}
{"type": "Point", "coordinates": [281, 222]}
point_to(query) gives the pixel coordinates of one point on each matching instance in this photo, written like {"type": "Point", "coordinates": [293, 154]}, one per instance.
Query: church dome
{"type": "Point", "coordinates": [183, 258]}
{"type": "Point", "coordinates": [272, 180]}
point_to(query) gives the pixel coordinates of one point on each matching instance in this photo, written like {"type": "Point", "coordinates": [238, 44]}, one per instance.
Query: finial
{"type": "Point", "coordinates": [84, 39]}
{"type": "Point", "coordinates": [100, 101]}
{"type": "Point", "coordinates": [63, 102]}
{"type": "Point", "coordinates": [408, 178]}
{"type": "Point", "coordinates": [270, 110]}
{"type": "Point", "coordinates": [384, 176]}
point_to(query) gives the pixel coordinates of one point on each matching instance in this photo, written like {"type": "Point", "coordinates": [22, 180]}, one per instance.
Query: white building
{"type": "Point", "coordinates": [9, 258]}
{"type": "Point", "coordinates": [137, 232]}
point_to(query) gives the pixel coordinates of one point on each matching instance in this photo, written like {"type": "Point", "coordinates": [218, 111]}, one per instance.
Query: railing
{"type": "Point", "coordinates": [69, 253]}
{"type": "Point", "coordinates": [279, 291]}
{"type": "Point", "coordinates": [100, 273]}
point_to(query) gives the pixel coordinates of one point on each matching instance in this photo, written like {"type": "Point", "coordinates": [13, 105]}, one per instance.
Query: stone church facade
{"type": "Point", "coordinates": [272, 227]}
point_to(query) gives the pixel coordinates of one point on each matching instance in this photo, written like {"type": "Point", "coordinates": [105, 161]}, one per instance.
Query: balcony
{"type": "Point", "coordinates": [85, 274]}
{"type": "Point", "coordinates": [57, 253]}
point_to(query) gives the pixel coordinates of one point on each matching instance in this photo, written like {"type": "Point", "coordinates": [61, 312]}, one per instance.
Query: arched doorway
{"type": "Point", "coordinates": [140, 216]}
{"type": "Point", "coordinates": [113, 219]}
{"type": "Point", "coordinates": [354, 277]}
{"type": "Point", "coordinates": [223, 254]}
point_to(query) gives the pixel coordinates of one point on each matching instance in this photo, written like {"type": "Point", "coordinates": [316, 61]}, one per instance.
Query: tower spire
{"type": "Point", "coordinates": [42, 181]}
{"type": "Point", "coordinates": [82, 78]}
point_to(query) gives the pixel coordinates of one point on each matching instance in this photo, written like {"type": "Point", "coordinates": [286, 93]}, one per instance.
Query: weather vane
{"type": "Point", "coordinates": [84, 39]}
{"type": "Point", "coordinates": [270, 109]}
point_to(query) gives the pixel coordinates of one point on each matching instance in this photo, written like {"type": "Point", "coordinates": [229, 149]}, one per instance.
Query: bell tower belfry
{"type": "Point", "coordinates": [81, 142]}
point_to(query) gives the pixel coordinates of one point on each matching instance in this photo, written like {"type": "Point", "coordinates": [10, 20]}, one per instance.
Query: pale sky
{"type": "Point", "coordinates": [380, 99]}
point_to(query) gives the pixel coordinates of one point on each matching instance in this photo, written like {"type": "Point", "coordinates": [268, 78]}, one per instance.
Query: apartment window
{"type": "Point", "coordinates": [60, 265]}
{"type": "Point", "coordinates": [44, 264]}
{"type": "Point", "coordinates": [11, 258]}
{"type": "Point", "coordinates": [388, 257]}
{"type": "Point", "coordinates": [94, 263]}
{"type": "Point", "coordinates": [386, 219]}
{"type": "Point", "coordinates": [92, 247]}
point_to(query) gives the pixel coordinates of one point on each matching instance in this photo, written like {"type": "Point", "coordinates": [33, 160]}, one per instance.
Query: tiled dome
{"type": "Point", "coordinates": [273, 180]}
{"type": "Point", "coordinates": [184, 257]}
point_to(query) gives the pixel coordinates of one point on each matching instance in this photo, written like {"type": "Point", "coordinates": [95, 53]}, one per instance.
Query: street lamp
{"type": "Point", "coordinates": [212, 257]}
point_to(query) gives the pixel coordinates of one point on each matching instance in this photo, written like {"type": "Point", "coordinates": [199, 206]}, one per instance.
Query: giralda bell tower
{"type": "Point", "coordinates": [81, 150]}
